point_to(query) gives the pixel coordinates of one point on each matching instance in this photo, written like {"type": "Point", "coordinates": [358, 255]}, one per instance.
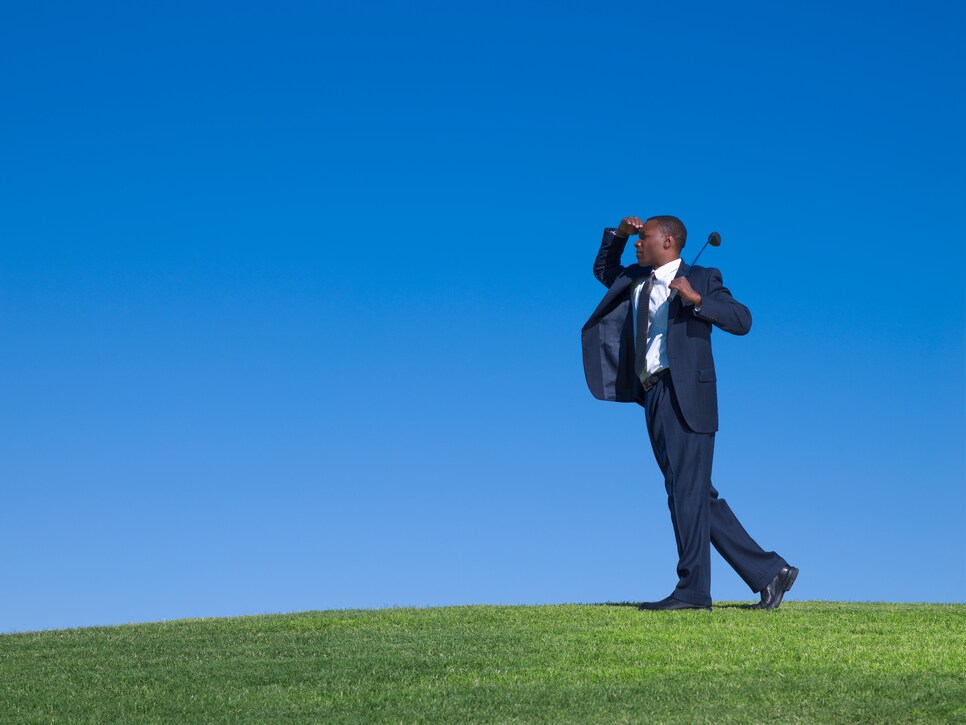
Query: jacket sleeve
{"type": "Point", "coordinates": [607, 266]}
{"type": "Point", "coordinates": [721, 309]}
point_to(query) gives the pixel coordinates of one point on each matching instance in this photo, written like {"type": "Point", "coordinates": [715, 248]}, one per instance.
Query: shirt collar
{"type": "Point", "coordinates": [667, 271]}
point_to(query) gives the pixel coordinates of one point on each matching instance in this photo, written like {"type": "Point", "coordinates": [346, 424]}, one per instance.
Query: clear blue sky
{"type": "Point", "coordinates": [290, 299]}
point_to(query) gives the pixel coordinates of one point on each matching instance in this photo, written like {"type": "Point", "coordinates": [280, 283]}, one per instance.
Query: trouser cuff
{"type": "Point", "coordinates": [771, 574]}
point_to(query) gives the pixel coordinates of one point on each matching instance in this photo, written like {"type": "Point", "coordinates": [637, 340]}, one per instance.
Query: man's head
{"type": "Point", "coordinates": [662, 239]}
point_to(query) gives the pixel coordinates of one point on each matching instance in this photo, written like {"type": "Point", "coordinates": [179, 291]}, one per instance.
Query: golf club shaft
{"type": "Point", "coordinates": [717, 240]}
{"type": "Point", "coordinates": [695, 260]}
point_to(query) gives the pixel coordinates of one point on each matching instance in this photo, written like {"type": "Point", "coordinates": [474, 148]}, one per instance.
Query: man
{"type": "Point", "coordinates": [649, 342]}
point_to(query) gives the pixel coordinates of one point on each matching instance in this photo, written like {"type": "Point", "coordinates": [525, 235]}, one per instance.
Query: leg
{"type": "Point", "coordinates": [685, 459]}
{"type": "Point", "coordinates": [754, 565]}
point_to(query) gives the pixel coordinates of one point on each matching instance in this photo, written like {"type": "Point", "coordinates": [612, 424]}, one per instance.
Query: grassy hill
{"type": "Point", "coordinates": [806, 662]}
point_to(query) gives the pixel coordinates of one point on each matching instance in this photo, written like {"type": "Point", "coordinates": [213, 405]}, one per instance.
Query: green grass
{"type": "Point", "coordinates": [806, 662]}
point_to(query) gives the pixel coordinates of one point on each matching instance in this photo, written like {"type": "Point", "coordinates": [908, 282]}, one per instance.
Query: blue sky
{"type": "Point", "coordinates": [290, 299]}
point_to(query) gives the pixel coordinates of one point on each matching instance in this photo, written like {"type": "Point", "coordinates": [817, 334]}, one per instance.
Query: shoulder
{"type": "Point", "coordinates": [698, 269]}
{"type": "Point", "coordinates": [707, 274]}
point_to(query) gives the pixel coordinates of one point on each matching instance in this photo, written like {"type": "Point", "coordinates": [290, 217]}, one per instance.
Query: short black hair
{"type": "Point", "coordinates": [671, 226]}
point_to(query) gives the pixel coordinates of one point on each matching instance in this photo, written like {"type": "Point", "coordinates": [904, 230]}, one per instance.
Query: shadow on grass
{"type": "Point", "coordinates": [725, 605]}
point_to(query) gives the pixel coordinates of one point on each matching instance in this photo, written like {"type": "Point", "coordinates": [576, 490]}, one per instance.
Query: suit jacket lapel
{"type": "Point", "coordinates": [620, 287]}
{"type": "Point", "coordinates": [675, 305]}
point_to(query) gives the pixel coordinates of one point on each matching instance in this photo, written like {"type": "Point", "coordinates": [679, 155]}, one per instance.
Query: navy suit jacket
{"type": "Point", "coordinates": [608, 336]}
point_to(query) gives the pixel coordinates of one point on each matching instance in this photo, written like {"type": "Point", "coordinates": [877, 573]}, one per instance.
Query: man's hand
{"type": "Point", "coordinates": [630, 225]}
{"type": "Point", "coordinates": [686, 291]}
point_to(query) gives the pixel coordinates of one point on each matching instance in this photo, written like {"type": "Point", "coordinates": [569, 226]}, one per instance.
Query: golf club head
{"type": "Point", "coordinates": [714, 239]}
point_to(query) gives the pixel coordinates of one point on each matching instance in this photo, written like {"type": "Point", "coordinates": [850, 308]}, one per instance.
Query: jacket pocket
{"type": "Point", "coordinates": [706, 375]}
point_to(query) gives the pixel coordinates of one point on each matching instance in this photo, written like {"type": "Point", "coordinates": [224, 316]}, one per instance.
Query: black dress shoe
{"type": "Point", "coordinates": [771, 595]}
{"type": "Point", "coordinates": [670, 604]}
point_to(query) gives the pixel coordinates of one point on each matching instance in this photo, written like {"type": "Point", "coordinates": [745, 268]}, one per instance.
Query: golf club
{"type": "Point", "coordinates": [714, 239]}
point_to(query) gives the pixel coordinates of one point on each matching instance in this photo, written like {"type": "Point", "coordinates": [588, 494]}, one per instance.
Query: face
{"type": "Point", "coordinates": [653, 245]}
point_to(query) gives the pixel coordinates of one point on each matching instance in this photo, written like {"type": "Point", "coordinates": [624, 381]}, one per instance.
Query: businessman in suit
{"type": "Point", "coordinates": [649, 342]}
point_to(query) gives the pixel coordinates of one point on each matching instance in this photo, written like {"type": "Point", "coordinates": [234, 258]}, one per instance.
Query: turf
{"type": "Point", "coordinates": [805, 662]}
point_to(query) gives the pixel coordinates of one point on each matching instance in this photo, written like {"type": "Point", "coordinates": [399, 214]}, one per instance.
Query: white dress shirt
{"type": "Point", "coordinates": [656, 356]}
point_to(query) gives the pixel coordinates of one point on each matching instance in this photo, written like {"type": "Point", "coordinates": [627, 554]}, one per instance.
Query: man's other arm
{"type": "Point", "coordinates": [721, 309]}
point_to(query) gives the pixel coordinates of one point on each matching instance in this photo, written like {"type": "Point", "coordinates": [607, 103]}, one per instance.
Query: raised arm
{"type": "Point", "coordinates": [607, 266]}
